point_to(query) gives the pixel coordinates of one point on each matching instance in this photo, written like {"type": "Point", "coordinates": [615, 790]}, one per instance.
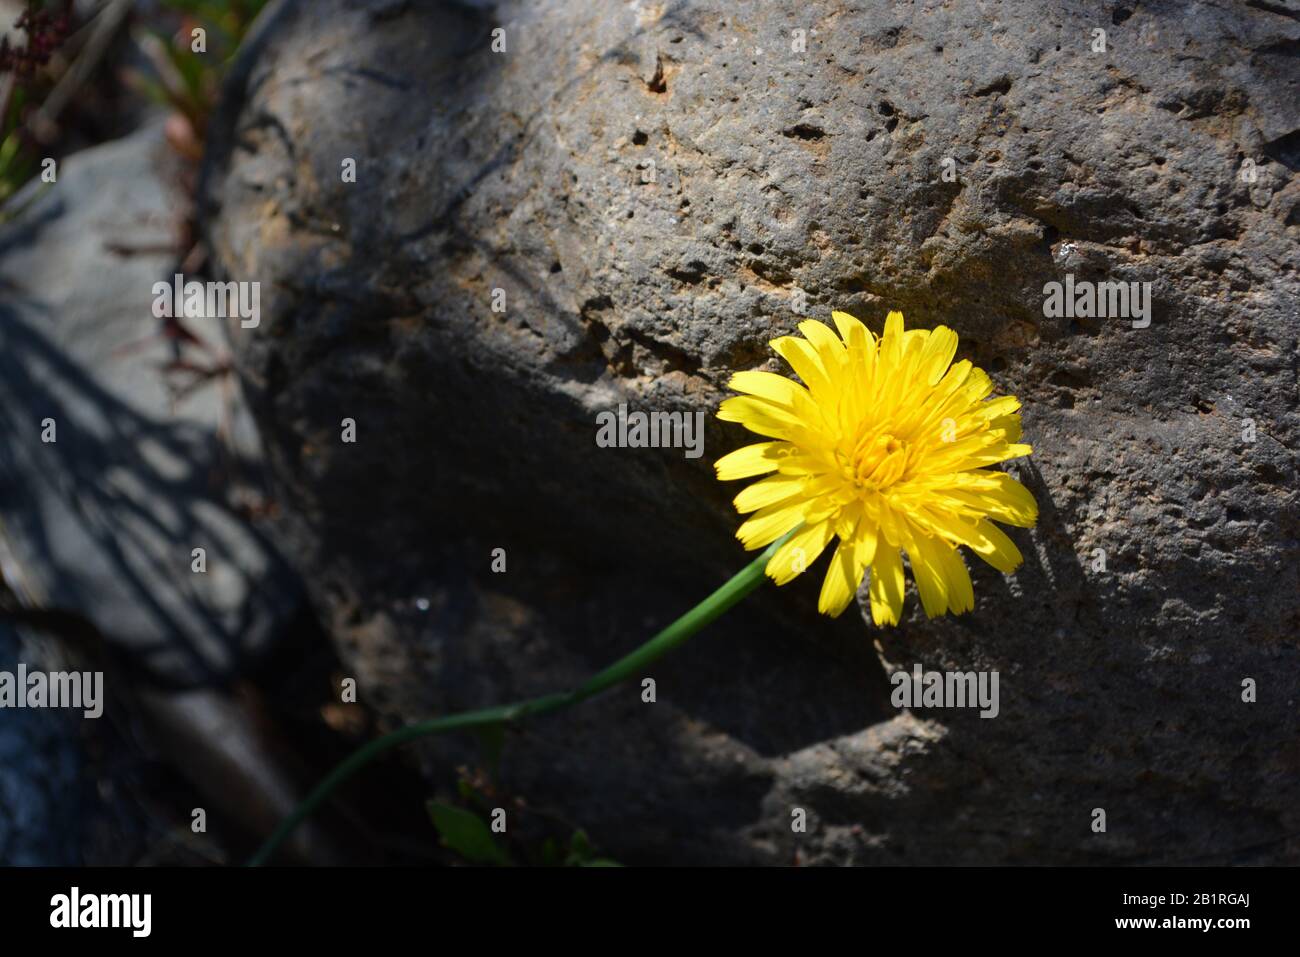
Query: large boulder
{"type": "Point", "coordinates": [559, 207]}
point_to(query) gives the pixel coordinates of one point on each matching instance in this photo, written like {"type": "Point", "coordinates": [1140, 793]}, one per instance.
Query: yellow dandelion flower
{"type": "Point", "coordinates": [885, 446]}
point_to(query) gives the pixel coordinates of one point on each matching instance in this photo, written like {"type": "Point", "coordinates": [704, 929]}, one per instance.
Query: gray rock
{"type": "Point", "coordinates": [660, 188]}
{"type": "Point", "coordinates": [102, 521]}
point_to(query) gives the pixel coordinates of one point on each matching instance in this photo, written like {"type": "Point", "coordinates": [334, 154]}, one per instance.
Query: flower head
{"type": "Point", "coordinates": [885, 446]}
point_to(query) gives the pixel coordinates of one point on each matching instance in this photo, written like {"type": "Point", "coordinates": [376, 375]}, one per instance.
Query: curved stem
{"type": "Point", "coordinates": [707, 611]}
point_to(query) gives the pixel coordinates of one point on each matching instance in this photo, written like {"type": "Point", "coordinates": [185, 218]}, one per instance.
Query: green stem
{"type": "Point", "coordinates": [707, 611]}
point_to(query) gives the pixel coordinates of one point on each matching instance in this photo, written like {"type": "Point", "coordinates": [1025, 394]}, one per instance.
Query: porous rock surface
{"type": "Point", "coordinates": [659, 188]}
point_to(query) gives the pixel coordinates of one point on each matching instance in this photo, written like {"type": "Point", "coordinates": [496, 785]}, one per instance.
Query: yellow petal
{"type": "Point", "coordinates": [841, 581]}
{"type": "Point", "coordinates": [828, 345]}
{"type": "Point", "coordinates": [865, 539]}
{"type": "Point", "coordinates": [803, 548]}
{"type": "Point", "coordinates": [859, 369]}
{"type": "Point", "coordinates": [982, 537]}
{"type": "Point", "coordinates": [886, 587]}
{"type": "Point", "coordinates": [937, 355]}
{"type": "Point", "coordinates": [961, 596]}
{"type": "Point", "coordinates": [774, 388]}
{"type": "Point", "coordinates": [891, 344]}
{"type": "Point", "coordinates": [1005, 501]}
{"type": "Point", "coordinates": [805, 362]}
{"type": "Point", "coordinates": [999, 551]}
{"type": "Point", "coordinates": [766, 418]}
{"type": "Point", "coordinates": [851, 329]}
{"type": "Point", "coordinates": [751, 460]}
{"type": "Point", "coordinates": [1002, 405]}
{"type": "Point", "coordinates": [769, 491]}
{"type": "Point", "coordinates": [1008, 426]}
{"type": "Point", "coordinates": [930, 574]}
{"type": "Point", "coordinates": [890, 530]}
{"type": "Point", "coordinates": [768, 524]}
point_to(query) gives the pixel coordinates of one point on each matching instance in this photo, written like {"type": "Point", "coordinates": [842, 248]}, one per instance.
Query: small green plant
{"type": "Point", "coordinates": [466, 829]}
{"type": "Point", "coordinates": [17, 161]}
{"type": "Point", "coordinates": [188, 48]}
{"type": "Point", "coordinates": [23, 84]}
{"type": "Point", "coordinates": [189, 62]}
{"type": "Point", "coordinates": [470, 837]}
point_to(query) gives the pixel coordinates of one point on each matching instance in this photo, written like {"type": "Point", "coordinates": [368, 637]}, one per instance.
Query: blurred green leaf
{"type": "Point", "coordinates": [550, 855]}
{"type": "Point", "coordinates": [582, 853]}
{"type": "Point", "coordinates": [467, 834]}
{"type": "Point", "coordinates": [580, 845]}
